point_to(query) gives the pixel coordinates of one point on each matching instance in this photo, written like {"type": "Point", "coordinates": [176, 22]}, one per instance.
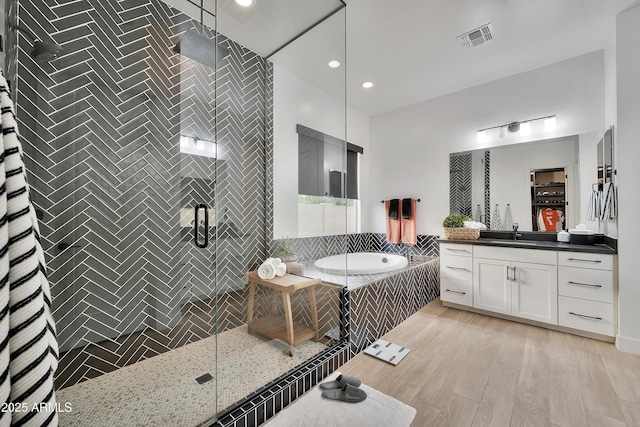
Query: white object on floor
{"type": "Point", "coordinates": [312, 410]}
{"type": "Point", "coordinates": [389, 352]}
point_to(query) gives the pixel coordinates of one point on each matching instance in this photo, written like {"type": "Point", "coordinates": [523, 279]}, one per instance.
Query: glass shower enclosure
{"type": "Point", "coordinates": [149, 145]}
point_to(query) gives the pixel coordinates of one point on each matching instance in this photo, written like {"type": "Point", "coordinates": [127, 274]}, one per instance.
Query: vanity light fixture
{"type": "Point", "coordinates": [334, 64]}
{"type": "Point", "coordinates": [523, 128]}
{"type": "Point", "coordinates": [367, 85]}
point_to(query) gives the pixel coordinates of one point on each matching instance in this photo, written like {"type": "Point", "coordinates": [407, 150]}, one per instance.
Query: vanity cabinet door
{"type": "Point", "coordinates": [535, 292]}
{"type": "Point", "coordinates": [491, 285]}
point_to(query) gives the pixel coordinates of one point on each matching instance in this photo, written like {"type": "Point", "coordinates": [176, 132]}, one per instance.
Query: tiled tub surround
{"type": "Point", "coordinates": [381, 305]}
{"type": "Point", "coordinates": [379, 302]}
{"type": "Point", "coordinates": [316, 247]}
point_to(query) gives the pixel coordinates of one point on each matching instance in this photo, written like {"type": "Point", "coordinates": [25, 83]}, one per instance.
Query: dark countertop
{"type": "Point", "coordinates": [598, 248]}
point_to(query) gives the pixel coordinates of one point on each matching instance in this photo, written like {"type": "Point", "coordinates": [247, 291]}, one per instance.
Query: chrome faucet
{"type": "Point", "coordinates": [515, 231]}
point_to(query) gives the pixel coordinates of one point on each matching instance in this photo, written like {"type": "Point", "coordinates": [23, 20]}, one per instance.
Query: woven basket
{"type": "Point", "coordinates": [461, 233]}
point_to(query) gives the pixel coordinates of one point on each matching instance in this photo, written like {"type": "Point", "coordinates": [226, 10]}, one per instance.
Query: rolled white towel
{"type": "Point", "coordinates": [276, 261]}
{"type": "Point", "coordinates": [266, 271]}
{"type": "Point", "coordinates": [281, 269]}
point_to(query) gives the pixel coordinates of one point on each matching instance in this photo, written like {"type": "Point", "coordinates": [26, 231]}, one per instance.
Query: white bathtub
{"type": "Point", "coordinates": [360, 263]}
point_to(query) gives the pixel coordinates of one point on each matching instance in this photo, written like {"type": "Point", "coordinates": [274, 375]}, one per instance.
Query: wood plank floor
{"type": "Point", "coordinates": [467, 369]}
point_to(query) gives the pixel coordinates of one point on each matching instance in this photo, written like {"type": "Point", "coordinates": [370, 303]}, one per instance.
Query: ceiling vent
{"type": "Point", "coordinates": [477, 36]}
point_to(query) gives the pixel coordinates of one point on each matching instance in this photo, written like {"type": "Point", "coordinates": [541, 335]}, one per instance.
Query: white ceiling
{"type": "Point", "coordinates": [408, 48]}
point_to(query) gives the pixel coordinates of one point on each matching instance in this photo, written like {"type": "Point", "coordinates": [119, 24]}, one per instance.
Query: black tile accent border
{"type": "Point", "coordinates": [257, 408]}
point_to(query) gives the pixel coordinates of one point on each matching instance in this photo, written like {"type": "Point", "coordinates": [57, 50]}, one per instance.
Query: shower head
{"type": "Point", "coordinates": [45, 51]}
{"type": "Point", "coordinates": [200, 48]}
{"type": "Point", "coordinates": [41, 51]}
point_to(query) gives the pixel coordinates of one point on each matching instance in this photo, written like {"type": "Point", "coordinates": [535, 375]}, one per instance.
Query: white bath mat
{"type": "Point", "coordinates": [389, 352]}
{"type": "Point", "coordinates": [312, 410]}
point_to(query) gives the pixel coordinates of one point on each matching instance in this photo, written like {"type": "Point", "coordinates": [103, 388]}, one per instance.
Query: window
{"type": "Point", "coordinates": [327, 184]}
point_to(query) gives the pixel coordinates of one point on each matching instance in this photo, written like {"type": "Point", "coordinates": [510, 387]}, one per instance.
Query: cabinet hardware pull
{"type": "Point", "coordinates": [457, 250]}
{"type": "Point", "coordinates": [509, 278]}
{"type": "Point", "coordinates": [584, 284]}
{"type": "Point", "coordinates": [585, 260]}
{"type": "Point", "coordinates": [455, 292]}
{"type": "Point", "coordinates": [585, 316]}
{"type": "Point", "coordinates": [457, 268]}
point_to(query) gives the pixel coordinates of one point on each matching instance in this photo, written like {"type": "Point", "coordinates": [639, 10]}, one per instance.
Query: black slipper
{"type": "Point", "coordinates": [340, 382]}
{"type": "Point", "coordinates": [349, 394]}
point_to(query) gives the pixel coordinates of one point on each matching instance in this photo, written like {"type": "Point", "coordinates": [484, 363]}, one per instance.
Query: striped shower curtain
{"type": "Point", "coordinates": [28, 347]}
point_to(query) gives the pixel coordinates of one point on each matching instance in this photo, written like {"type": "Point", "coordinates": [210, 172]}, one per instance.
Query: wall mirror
{"type": "Point", "coordinates": [605, 157]}
{"type": "Point", "coordinates": [499, 186]}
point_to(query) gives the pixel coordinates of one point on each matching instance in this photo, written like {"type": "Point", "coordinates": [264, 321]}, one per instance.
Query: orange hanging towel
{"type": "Point", "coordinates": [409, 232]}
{"type": "Point", "coordinates": [393, 212]}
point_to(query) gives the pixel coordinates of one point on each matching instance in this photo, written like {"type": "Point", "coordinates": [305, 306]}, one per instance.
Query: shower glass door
{"type": "Point", "coordinates": [276, 51]}
{"type": "Point", "coordinates": [120, 147]}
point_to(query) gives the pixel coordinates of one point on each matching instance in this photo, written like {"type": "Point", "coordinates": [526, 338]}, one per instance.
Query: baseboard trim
{"type": "Point", "coordinates": [628, 345]}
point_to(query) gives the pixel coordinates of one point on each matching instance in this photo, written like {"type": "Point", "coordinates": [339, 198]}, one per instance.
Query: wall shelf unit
{"type": "Point", "coordinates": [548, 199]}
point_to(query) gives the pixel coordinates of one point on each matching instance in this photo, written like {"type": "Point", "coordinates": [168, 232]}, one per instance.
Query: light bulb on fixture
{"type": "Point", "coordinates": [482, 136]}
{"type": "Point", "coordinates": [525, 129]}
{"type": "Point", "coordinates": [367, 85]}
{"type": "Point", "coordinates": [550, 124]}
{"type": "Point", "coordinates": [502, 132]}
{"type": "Point", "coordinates": [244, 3]}
{"type": "Point", "coordinates": [334, 64]}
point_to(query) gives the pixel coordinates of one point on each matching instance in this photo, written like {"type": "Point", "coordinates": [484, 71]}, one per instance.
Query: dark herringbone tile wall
{"type": "Point", "coordinates": [460, 180]}
{"type": "Point", "coordinates": [101, 129]}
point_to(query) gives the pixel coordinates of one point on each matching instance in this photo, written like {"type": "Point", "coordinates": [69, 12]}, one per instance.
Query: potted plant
{"type": "Point", "coordinates": [287, 250]}
{"type": "Point", "coordinates": [454, 228]}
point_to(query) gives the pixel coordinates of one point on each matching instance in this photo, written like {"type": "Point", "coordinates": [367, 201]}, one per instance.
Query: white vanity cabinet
{"type": "Point", "coordinates": [586, 292]}
{"type": "Point", "coordinates": [456, 273]}
{"type": "Point", "coordinates": [566, 290]}
{"type": "Point", "coordinates": [517, 282]}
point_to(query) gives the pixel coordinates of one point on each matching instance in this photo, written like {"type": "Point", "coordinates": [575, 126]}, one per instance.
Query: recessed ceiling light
{"type": "Point", "coordinates": [244, 3]}
{"type": "Point", "coordinates": [334, 64]}
{"type": "Point", "coordinates": [367, 85]}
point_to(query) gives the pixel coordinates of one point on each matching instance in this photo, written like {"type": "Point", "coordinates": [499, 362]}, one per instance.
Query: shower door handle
{"type": "Point", "coordinates": [196, 226]}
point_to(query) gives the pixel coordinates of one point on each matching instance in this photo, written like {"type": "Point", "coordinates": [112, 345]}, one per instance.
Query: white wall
{"type": "Point", "coordinates": [410, 146]}
{"type": "Point", "coordinates": [298, 102]}
{"type": "Point", "coordinates": [627, 148]}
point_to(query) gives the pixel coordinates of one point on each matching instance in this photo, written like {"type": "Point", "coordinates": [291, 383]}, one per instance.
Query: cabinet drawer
{"type": "Point", "coordinates": [456, 249]}
{"type": "Point", "coordinates": [456, 267]}
{"type": "Point", "coordinates": [535, 256]}
{"type": "Point", "coordinates": [456, 291]}
{"type": "Point", "coordinates": [592, 316]}
{"type": "Point", "coordinates": [586, 283]}
{"type": "Point", "coordinates": [585, 260]}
